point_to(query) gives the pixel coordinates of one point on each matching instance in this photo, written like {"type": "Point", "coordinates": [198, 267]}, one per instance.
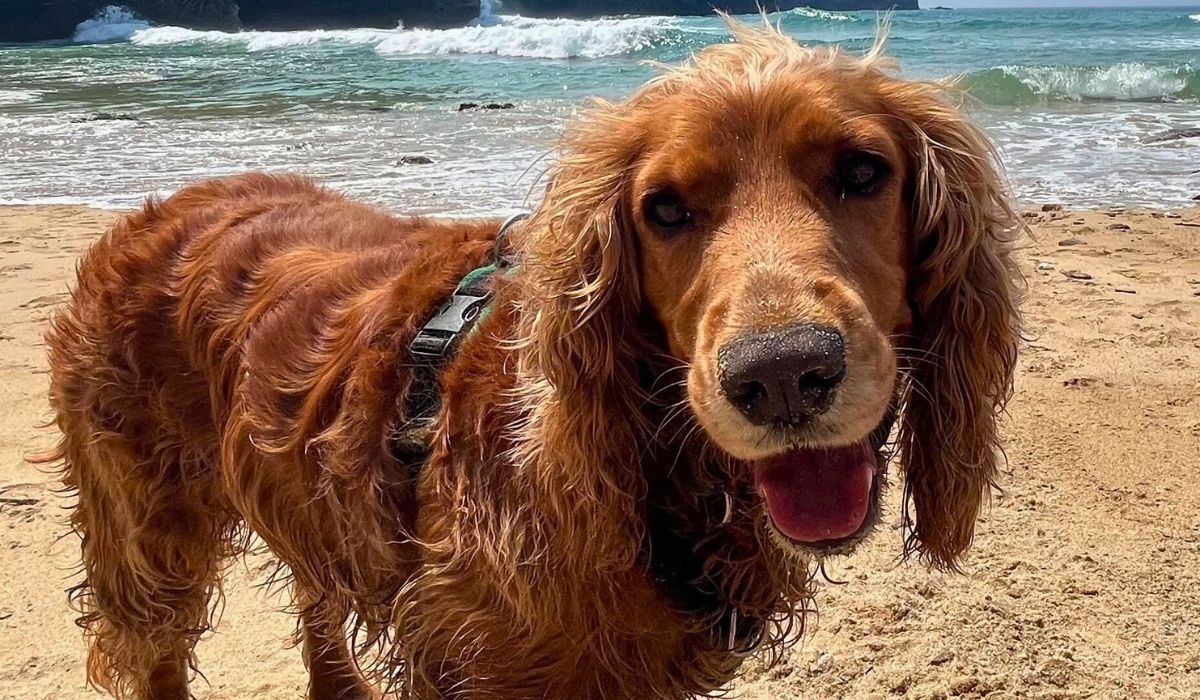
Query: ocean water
{"type": "Point", "coordinates": [1071, 96]}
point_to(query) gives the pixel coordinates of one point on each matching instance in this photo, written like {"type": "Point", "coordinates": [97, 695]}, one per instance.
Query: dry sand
{"type": "Point", "coordinates": [1084, 580]}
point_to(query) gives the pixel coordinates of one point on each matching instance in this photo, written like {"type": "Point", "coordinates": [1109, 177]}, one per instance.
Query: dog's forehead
{"type": "Point", "coordinates": [787, 113]}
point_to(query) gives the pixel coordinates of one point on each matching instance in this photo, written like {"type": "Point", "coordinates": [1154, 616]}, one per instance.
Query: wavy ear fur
{"type": "Point", "coordinates": [579, 305]}
{"type": "Point", "coordinates": [962, 290]}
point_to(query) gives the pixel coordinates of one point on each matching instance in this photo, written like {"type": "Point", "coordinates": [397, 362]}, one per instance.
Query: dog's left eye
{"type": "Point", "coordinates": [860, 173]}
{"type": "Point", "coordinates": [667, 211]}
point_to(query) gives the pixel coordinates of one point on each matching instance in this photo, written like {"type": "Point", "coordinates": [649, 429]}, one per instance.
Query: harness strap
{"type": "Point", "coordinates": [439, 338]}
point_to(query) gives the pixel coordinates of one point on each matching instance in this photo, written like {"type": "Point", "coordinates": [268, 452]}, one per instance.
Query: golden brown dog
{"type": "Point", "coordinates": [737, 277]}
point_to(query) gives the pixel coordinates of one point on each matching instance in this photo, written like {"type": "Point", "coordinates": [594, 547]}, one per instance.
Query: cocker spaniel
{"type": "Point", "coordinates": [677, 401]}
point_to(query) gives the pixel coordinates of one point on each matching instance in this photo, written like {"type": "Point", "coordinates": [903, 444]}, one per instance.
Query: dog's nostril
{"type": "Point", "coordinates": [747, 393]}
{"type": "Point", "coordinates": [822, 379]}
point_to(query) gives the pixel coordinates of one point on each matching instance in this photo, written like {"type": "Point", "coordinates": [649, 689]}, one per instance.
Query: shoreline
{"type": "Point", "coordinates": [1085, 571]}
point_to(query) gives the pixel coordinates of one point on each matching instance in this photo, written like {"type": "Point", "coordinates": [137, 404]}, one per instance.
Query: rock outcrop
{"type": "Point", "coordinates": [344, 14]}
{"type": "Point", "coordinates": [46, 20]}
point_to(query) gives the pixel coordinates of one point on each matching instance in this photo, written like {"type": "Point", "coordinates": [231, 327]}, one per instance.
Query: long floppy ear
{"type": "Point", "coordinates": [578, 335]}
{"type": "Point", "coordinates": [966, 327]}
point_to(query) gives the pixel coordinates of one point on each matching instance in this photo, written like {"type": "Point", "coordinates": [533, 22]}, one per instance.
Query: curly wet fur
{"type": "Point", "coordinates": [235, 359]}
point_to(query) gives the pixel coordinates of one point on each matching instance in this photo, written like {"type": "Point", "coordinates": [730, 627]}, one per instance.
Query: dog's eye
{"type": "Point", "coordinates": [860, 173]}
{"type": "Point", "coordinates": [667, 211]}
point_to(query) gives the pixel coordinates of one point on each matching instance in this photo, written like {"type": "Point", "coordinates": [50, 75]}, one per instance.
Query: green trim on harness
{"type": "Point", "coordinates": [474, 276]}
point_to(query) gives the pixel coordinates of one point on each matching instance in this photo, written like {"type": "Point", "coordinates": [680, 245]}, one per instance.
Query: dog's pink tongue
{"type": "Point", "coordinates": [821, 494]}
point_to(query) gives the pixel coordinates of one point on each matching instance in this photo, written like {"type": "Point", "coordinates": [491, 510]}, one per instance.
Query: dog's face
{"type": "Point", "coordinates": [774, 247]}
{"type": "Point", "coordinates": [801, 223]}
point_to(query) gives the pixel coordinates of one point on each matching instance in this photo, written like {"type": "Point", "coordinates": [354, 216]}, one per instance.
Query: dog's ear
{"type": "Point", "coordinates": [966, 326]}
{"type": "Point", "coordinates": [578, 335]}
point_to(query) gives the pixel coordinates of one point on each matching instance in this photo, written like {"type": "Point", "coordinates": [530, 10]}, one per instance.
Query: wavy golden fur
{"type": "Point", "coordinates": [586, 525]}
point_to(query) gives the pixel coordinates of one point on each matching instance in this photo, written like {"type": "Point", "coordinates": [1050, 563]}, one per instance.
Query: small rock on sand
{"type": "Point", "coordinates": [823, 663]}
{"type": "Point", "coordinates": [1045, 265]}
{"type": "Point", "coordinates": [1072, 241]}
{"type": "Point", "coordinates": [1077, 275]}
{"type": "Point", "coordinates": [1125, 290]}
{"type": "Point", "coordinates": [1119, 227]}
{"type": "Point", "coordinates": [1051, 207]}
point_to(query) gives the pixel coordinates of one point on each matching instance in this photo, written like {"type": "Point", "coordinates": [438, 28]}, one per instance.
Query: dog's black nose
{"type": "Point", "coordinates": [783, 375]}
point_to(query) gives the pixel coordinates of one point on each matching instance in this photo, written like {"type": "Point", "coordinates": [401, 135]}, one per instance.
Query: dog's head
{"type": "Point", "coordinates": [820, 241]}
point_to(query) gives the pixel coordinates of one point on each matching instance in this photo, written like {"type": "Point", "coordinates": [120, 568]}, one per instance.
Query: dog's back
{"type": "Point", "coordinates": [227, 357]}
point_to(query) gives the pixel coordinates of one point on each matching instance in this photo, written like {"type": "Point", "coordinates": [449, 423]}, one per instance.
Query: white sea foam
{"type": "Point", "coordinates": [16, 97]}
{"type": "Point", "coordinates": [259, 41]}
{"type": "Point", "coordinates": [113, 23]}
{"type": "Point", "coordinates": [1121, 81]}
{"type": "Point", "coordinates": [501, 36]}
{"type": "Point", "coordinates": [813, 13]}
{"type": "Point", "coordinates": [1194, 18]}
{"type": "Point", "coordinates": [535, 38]}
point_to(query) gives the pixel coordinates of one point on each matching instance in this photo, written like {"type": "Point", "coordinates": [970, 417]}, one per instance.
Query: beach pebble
{"type": "Point", "coordinates": [1072, 241]}
{"type": "Point", "coordinates": [1125, 290]}
{"type": "Point", "coordinates": [823, 663]}
{"type": "Point", "coordinates": [414, 160]}
{"type": "Point", "coordinates": [1077, 275]}
{"type": "Point", "coordinates": [5, 613]}
{"type": "Point", "coordinates": [1045, 265]}
{"type": "Point", "coordinates": [1138, 316]}
{"type": "Point", "coordinates": [1173, 215]}
{"type": "Point", "coordinates": [1119, 227]}
{"type": "Point", "coordinates": [1051, 207]}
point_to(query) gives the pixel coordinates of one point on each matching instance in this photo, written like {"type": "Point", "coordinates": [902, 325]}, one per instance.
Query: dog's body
{"type": "Point", "coordinates": [239, 353]}
{"type": "Point", "coordinates": [621, 484]}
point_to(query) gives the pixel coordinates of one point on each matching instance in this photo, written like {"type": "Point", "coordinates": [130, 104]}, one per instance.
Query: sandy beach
{"type": "Point", "coordinates": [1085, 576]}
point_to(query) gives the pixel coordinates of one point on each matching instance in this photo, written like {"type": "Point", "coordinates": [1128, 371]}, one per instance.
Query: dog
{"type": "Point", "coordinates": [675, 401]}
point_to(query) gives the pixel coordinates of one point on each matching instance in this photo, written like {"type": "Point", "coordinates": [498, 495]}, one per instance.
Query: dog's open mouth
{"type": "Point", "coordinates": [823, 498]}
{"type": "Point", "coordinates": [817, 496]}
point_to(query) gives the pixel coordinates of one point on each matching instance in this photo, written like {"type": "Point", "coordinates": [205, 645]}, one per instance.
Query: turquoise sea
{"type": "Point", "coordinates": [1072, 96]}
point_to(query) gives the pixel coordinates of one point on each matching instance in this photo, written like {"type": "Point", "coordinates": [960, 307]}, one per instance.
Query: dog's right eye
{"type": "Point", "coordinates": [667, 212]}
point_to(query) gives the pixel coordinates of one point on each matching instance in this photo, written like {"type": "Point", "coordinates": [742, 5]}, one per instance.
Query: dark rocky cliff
{"type": "Point", "coordinates": [343, 14]}
{"type": "Point", "coordinates": [41, 20]}
{"type": "Point", "coordinates": [593, 8]}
